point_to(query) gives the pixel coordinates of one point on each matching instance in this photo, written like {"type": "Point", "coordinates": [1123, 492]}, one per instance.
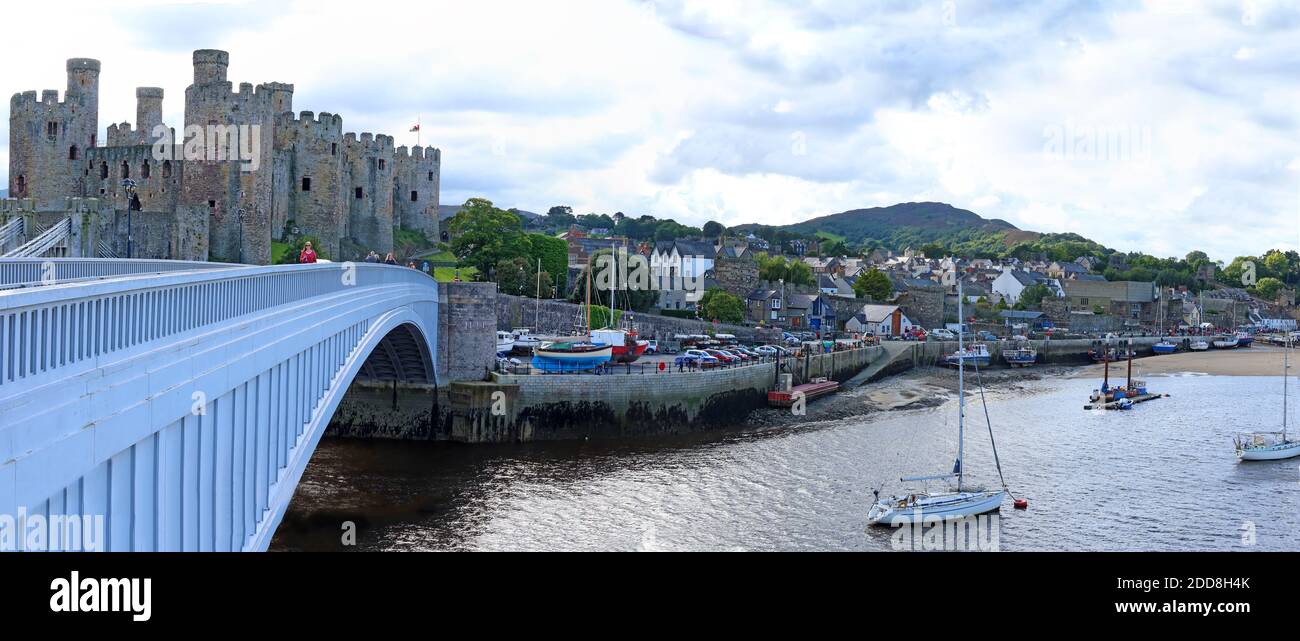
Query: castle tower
{"type": "Point", "coordinates": [210, 66]}
{"type": "Point", "coordinates": [148, 111]}
{"type": "Point", "coordinates": [48, 138]}
{"type": "Point", "coordinates": [415, 190]}
{"type": "Point", "coordinates": [243, 121]}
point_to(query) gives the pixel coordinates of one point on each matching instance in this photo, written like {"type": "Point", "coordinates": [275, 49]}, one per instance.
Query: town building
{"type": "Point", "coordinates": [880, 320]}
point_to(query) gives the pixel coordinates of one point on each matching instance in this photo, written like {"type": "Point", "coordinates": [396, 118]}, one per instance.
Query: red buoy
{"type": "Point", "coordinates": [1021, 504]}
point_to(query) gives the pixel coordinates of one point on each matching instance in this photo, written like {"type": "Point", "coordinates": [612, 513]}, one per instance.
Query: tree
{"type": "Point", "coordinates": [800, 273]}
{"type": "Point", "coordinates": [554, 254]}
{"type": "Point", "coordinates": [713, 229]}
{"type": "Point", "coordinates": [1268, 287]}
{"type": "Point", "coordinates": [875, 284]}
{"type": "Point", "coordinates": [721, 306]}
{"type": "Point", "coordinates": [518, 276]}
{"type": "Point", "coordinates": [638, 300]}
{"type": "Point", "coordinates": [483, 235]}
{"type": "Point", "coordinates": [1033, 295]}
{"type": "Point", "coordinates": [560, 217]}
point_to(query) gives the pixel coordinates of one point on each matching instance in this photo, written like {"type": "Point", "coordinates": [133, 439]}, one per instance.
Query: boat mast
{"type": "Point", "coordinates": [537, 314]}
{"type": "Point", "coordinates": [589, 299]}
{"type": "Point", "coordinates": [961, 387]}
{"type": "Point", "coordinates": [1286, 365]}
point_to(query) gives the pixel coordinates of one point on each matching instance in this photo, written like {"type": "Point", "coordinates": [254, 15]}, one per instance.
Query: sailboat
{"type": "Point", "coordinates": [1270, 446]}
{"type": "Point", "coordinates": [626, 343]}
{"type": "Point", "coordinates": [573, 355]}
{"type": "Point", "coordinates": [915, 507]}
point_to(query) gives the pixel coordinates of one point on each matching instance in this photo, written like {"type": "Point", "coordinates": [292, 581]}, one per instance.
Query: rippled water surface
{"type": "Point", "coordinates": [1160, 477]}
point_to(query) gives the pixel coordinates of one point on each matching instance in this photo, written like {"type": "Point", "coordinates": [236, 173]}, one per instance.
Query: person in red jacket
{"type": "Point", "coordinates": [308, 254]}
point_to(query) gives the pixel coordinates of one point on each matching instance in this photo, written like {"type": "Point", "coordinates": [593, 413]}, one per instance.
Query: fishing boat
{"type": "Point", "coordinates": [1225, 343]}
{"type": "Point", "coordinates": [525, 340]}
{"type": "Point", "coordinates": [1199, 346]}
{"type": "Point", "coordinates": [1164, 347]}
{"type": "Point", "coordinates": [627, 347]}
{"type": "Point", "coordinates": [505, 342]}
{"type": "Point", "coordinates": [918, 506]}
{"type": "Point", "coordinates": [1020, 356]}
{"type": "Point", "coordinates": [977, 354]}
{"type": "Point", "coordinates": [1270, 446]}
{"type": "Point", "coordinates": [1244, 339]}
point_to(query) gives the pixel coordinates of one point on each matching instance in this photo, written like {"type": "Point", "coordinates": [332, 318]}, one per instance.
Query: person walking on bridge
{"type": "Point", "coordinates": [308, 254]}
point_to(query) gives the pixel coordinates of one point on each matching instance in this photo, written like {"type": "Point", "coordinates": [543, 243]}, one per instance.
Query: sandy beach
{"type": "Point", "coordinates": [1259, 360]}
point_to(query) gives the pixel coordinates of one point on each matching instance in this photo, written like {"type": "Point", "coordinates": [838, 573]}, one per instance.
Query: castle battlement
{"type": "Point", "coordinates": [350, 190]}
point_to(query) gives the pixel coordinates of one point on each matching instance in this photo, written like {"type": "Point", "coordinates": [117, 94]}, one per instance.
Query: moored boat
{"type": "Point", "coordinates": [570, 356]}
{"type": "Point", "coordinates": [1020, 357]}
{"type": "Point", "coordinates": [1225, 343]}
{"type": "Point", "coordinates": [1164, 347]}
{"type": "Point", "coordinates": [627, 347]}
{"type": "Point", "coordinates": [1244, 339]}
{"type": "Point", "coordinates": [1270, 446]}
{"type": "Point", "coordinates": [505, 342]}
{"type": "Point", "coordinates": [919, 506]}
{"type": "Point", "coordinates": [1199, 346]}
{"type": "Point", "coordinates": [977, 354]}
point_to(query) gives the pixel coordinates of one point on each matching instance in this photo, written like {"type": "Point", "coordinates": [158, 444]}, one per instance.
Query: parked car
{"type": "Point", "coordinates": [766, 350]}
{"type": "Point", "coordinates": [653, 347]}
{"type": "Point", "coordinates": [696, 357]}
{"type": "Point", "coordinates": [942, 334]}
{"type": "Point", "coordinates": [722, 356]}
{"type": "Point", "coordinates": [985, 335]}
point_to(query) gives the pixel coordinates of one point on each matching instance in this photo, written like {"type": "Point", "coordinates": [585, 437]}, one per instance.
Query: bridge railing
{"type": "Point", "coordinates": [48, 328]}
{"type": "Point", "coordinates": [37, 272]}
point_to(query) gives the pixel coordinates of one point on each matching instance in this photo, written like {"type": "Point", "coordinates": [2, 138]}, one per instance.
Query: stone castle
{"type": "Point", "coordinates": [311, 179]}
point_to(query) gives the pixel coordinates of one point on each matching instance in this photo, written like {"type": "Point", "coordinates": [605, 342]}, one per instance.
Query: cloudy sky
{"type": "Point", "coordinates": [1153, 126]}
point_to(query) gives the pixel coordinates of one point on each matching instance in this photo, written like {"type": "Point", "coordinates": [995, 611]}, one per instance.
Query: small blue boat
{"type": "Point", "coordinates": [575, 356]}
{"type": "Point", "coordinates": [1164, 347]}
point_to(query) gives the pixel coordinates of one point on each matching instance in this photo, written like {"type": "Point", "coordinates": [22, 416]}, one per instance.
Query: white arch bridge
{"type": "Point", "coordinates": [182, 401]}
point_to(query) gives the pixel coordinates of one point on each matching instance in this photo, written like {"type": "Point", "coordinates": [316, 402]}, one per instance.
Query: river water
{"type": "Point", "coordinates": [1162, 476]}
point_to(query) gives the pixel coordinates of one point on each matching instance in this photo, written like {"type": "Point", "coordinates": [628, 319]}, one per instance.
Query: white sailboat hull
{"type": "Point", "coordinates": [1278, 452]}
{"type": "Point", "coordinates": [915, 509]}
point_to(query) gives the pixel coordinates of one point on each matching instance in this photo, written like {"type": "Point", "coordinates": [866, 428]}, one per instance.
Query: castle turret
{"type": "Point", "coordinates": [210, 66]}
{"type": "Point", "coordinates": [148, 111]}
{"type": "Point", "coordinates": [48, 138]}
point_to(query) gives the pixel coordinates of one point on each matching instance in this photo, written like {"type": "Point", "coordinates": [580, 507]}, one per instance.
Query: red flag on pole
{"type": "Point", "coordinates": [415, 127]}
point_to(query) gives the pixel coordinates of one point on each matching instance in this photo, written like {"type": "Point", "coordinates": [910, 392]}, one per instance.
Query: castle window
{"type": "Point", "coordinates": [21, 191]}
{"type": "Point", "coordinates": [415, 196]}
{"type": "Point", "coordinates": [334, 149]}
{"type": "Point", "coordinates": [103, 171]}
{"type": "Point", "coordinates": [126, 169]}
{"type": "Point", "coordinates": [167, 169]}
{"type": "Point", "coordinates": [52, 130]}
{"type": "Point", "coordinates": [212, 204]}
{"type": "Point", "coordinates": [72, 152]}
{"type": "Point", "coordinates": [358, 192]}
{"type": "Point", "coordinates": [431, 176]}
{"type": "Point", "coordinates": [144, 169]}
{"type": "Point", "coordinates": [381, 163]}
{"type": "Point", "coordinates": [306, 183]}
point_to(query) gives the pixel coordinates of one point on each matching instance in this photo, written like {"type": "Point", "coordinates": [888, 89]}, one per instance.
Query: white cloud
{"type": "Point", "coordinates": [765, 111]}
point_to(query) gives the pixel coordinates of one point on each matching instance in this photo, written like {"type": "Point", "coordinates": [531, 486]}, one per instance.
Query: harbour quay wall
{"type": "Point", "coordinates": [557, 318]}
{"type": "Point", "coordinates": [523, 408]}
{"type": "Point", "coordinates": [1070, 351]}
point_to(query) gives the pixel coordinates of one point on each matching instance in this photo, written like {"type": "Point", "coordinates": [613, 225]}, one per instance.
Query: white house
{"type": "Point", "coordinates": [1012, 282]}
{"type": "Point", "coordinates": [881, 320]}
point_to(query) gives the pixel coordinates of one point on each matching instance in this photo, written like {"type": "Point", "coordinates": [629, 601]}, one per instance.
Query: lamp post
{"type": "Point", "coordinates": [239, 213]}
{"type": "Point", "coordinates": [128, 187]}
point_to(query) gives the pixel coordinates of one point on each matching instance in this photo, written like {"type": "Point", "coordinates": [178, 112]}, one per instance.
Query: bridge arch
{"type": "Point", "coordinates": [198, 396]}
